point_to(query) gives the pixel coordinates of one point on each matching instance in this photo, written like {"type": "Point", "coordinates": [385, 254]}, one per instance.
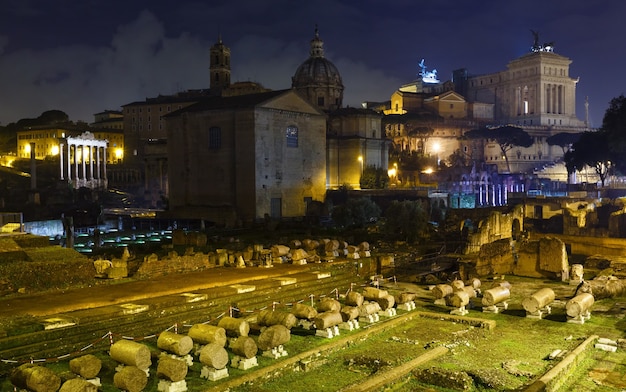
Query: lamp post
{"type": "Point", "coordinates": [436, 149]}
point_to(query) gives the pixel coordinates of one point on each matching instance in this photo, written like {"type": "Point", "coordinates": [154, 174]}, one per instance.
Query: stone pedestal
{"type": "Point", "coordinates": [330, 332]}
{"type": "Point", "coordinates": [170, 386]}
{"type": "Point", "coordinates": [459, 311]}
{"type": "Point", "coordinates": [349, 325]}
{"type": "Point", "coordinates": [539, 314]}
{"type": "Point", "coordinates": [95, 381]}
{"type": "Point", "coordinates": [388, 313]}
{"type": "Point", "coordinates": [275, 353]}
{"type": "Point", "coordinates": [370, 318]}
{"type": "Point", "coordinates": [243, 363]}
{"type": "Point", "coordinates": [580, 319]}
{"type": "Point", "coordinates": [213, 374]}
{"type": "Point", "coordinates": [408, 306]}
{"type": "Point", "coordinates": [497, 308]}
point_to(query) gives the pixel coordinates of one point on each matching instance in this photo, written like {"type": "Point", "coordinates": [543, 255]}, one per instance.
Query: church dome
{"type": "Point", "coordinates": [318, 79]}
{"type": "Point", "coordinates": [316, 70]}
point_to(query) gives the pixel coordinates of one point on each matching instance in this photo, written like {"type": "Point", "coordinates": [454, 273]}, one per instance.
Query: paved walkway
{"type": "Point", "coordinates": [49, 303]}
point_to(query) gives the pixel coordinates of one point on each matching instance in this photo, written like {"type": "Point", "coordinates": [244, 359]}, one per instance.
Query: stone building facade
{"type": "Point", "coordinates": [146, 162]}
{"type": "Point", "coordinates": [354, 142]}
{"type": "Point", "coordinates": [237, 160]}
{"type": "Point", "coordinates": [535, 93]}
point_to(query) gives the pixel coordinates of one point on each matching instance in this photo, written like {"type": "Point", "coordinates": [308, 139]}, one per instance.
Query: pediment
{"type": "Point", "coordinates": [451, 96]}
{"type": "Point", "coordinates": [291, 101]}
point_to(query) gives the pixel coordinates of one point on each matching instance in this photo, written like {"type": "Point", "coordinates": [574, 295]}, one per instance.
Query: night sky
{"type": "Point", "coordinates": [87, 56]}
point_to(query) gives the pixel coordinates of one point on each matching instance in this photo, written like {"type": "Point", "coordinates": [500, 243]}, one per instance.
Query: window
{"type": "Point", "coordinates": [320, 101]}
{"type": "Point", "coordinates": [215, 138]}
{"type": "Point", "coordinates": [292, 136]}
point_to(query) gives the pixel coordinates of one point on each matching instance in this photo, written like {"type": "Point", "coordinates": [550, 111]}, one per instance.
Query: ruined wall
{"type": "Point", "coordinates": [583, 245]}
{"type": "Point", "coordinates": [495, 258]}
{"type": "Point", "coordinates": [495, 227]}
{"type": "Point", "coordinates": [152, 266]}
{"type": "Point", "coordinates": [543, 258]}
{"type": "Point", "coordinates": [617, 224]}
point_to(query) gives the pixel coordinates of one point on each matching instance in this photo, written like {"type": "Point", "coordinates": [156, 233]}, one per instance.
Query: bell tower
{"type": "Point", "coordinates": [220, 67]}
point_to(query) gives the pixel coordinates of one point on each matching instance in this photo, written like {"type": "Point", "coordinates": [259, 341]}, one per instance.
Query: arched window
{"type": "Point", "coordinates": [291, 135]}
{"type": "Point", "coordinates": [215, 138]}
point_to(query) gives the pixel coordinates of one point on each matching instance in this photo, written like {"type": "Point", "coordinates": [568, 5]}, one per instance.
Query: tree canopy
{"type": "Point", "coordinates": [406, 219]}
{"type": "Point", "coordinates": [565, 140]}
{"type": "Point", "coordinates": [614, 125]}
{"type": "Point", "coordinates": [592, 149]}
{"type": "Point", "coordinates": [507, 137]}
{"type": "Point", "coordinates": [604, 150]}
{"type": "Point", "coordinates": [356, 212]}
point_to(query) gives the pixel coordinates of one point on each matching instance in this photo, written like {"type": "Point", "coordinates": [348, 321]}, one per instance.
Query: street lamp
{"type": "Point", "coordinates": [436, 149]}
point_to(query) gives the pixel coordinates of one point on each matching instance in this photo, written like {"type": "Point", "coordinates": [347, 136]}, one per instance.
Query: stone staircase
{"type": "Point", "coordinates": [11, 228]}
{"type": "Point", "coordinates": [78, 332]}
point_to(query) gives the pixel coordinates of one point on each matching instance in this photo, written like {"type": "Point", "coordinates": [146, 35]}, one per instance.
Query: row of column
{"type": "Point", "coordinates": [85, 165]}
{"type": "Point", "coordinates": [555, 97]}
{"type": "Point", "coordinates": [490, 194]}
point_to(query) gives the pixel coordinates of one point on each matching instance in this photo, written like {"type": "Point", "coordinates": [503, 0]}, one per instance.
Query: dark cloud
{"type": "Point", "coordinates": [83, 57]}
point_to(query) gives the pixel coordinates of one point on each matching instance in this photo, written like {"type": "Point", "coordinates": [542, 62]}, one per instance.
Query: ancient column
{"type": "Point", "coordinates": [61, 159]}
{"type": "Point", "coordinates": [69, 161]}
{"type": "Point", "coordinates": [76, 165]}
{"type": "Point", "coordinates": [90, 149]}
{"type": "Point", "coordinates": [83, 164]}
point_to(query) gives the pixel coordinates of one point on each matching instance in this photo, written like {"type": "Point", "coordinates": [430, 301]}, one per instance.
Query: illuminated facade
{"type": "Point", "coordinates": [47, 140]}
{"type": "Point", "coordinates": [535, 93]}
{"type": "Point", "coordinates": [236, 160]}
{"type": "Point", "coordinates": [82, 161]}
{"type": "Point", "coordinates": [354, 141]}
{"type": "Point", "coordinates": [535, 90]}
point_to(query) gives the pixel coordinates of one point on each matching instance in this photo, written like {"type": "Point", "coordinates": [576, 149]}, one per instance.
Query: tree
{"type": "Point", "coordinates": [565, 140]}
{"type": "Point", "coordinates": [507, 137]}
{"type": "Point", "coordinates": [592, 149]}
{"type": "Point", "coordinates": [405, 219]}
{"type": "Point", "coordinates": [374, 178]}
{"type": "Point", "coordinates": [614, 124]}
{"type": "Point", "coordinates": [355, 212]}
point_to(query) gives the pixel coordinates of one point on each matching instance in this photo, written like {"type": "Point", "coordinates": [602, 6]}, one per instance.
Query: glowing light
{"type": "Point", "coordinates": [27, 148]}
{"type": "Point", "coordinates": [428, 171]}
{"type": "Point", "coordinates": [427, 76]}
{"type": "Point", "coordinates": [391, 172]}
{"type": "Point", "coordinates": [119, 153]}
{"type": "Point", "coordinates": [436, 147]}
{"type": "Point", "coordinates": [54, 150]}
